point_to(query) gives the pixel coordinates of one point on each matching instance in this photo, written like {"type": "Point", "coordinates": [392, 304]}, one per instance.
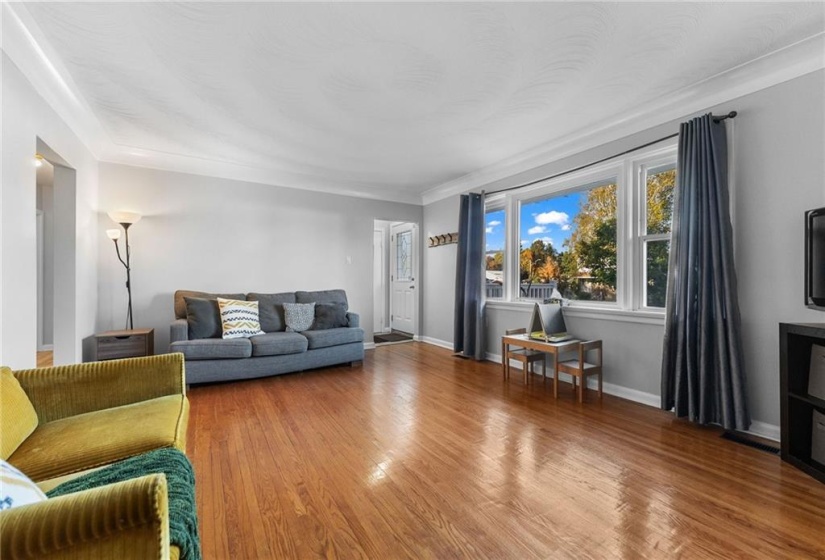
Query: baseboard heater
{"type": "Point", "coordinates": [744, 440]}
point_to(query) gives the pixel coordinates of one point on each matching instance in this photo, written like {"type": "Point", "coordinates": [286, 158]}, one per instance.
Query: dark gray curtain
{"type": "Point", "coordinates": [468, 334]}
{"type": "Point", "coordinates": [703, 377]}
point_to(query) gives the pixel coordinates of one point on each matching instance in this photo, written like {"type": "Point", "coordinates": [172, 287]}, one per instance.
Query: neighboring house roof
{"type": "Point", "coordinates": [495, 276]}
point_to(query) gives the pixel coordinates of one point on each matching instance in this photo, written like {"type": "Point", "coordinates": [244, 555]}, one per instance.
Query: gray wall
{"type": "Point", "coordinates": [211, 234]}
{"type": "Point", "coordinates": [439, 271]}
{"type": "Point", "coordinates": [779, 142]}
{"type": "Point", "coordinates": [31, 126]}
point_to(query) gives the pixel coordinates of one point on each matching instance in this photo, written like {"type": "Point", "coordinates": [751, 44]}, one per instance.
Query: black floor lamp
{"type": "Point", "coordinates": [125, 219]}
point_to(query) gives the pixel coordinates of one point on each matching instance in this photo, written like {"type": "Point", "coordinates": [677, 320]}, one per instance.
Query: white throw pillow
{"type": "Point", "coordinates": [239, 319]}
{"type": "Point", "coordinates": [16, 489]}
{"type": "Point", "coordinates": [299, 316]}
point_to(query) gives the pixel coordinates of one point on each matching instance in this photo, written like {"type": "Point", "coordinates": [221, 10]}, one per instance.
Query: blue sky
{"type": "Point", "coordinates": [550, 220]}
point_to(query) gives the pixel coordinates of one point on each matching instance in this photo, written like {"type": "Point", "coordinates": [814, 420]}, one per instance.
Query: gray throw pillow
{"type": "Point", "coordinates": [203, 318]}
{"type": "Point", "coordinates": [330, 316]}
{"type": "Point", "coordinates": [299, 316]}
{"type": "Point", "coordinates": [271, 309]}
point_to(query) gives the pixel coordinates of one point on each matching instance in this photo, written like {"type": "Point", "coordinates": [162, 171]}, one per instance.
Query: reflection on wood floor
{"type": "Point", "coordinates": [422, 455]}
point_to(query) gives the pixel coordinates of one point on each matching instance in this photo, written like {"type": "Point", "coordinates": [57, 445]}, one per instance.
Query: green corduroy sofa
{"type": "Point", "coordinates": [57, 423]}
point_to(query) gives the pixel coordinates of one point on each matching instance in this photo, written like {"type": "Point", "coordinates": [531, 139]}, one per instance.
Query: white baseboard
{"type": "Point", "coordinates": [641, 397]}
{"type": "Point", "coordinates": [46, 348]}
{"type": "Point", "coordinates": [369, 346]}
{"type": "Point", "coordinates": [764, 430]}
{"type": "Point", "coordinates": [435, 342]}
{"type": "Point", "coordinates": [760, 429]}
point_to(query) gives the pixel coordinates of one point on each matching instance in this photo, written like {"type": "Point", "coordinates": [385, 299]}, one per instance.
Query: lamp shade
{"type": "Point", "coordinates": [125, 217]}
{"type": "Point", "coordinates": [114, 234]}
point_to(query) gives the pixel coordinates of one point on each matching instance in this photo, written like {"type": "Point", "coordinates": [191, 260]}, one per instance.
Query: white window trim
{"type": "Point", "coordinates": [629, 305]}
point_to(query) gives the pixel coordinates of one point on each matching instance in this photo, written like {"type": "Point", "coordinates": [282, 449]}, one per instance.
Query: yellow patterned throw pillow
{"type": "Point", "coordinates": [239, 318]}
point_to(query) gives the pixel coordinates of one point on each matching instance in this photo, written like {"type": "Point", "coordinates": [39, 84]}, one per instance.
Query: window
{"type": "Point", "coordinates": [601, 235]}
{"type": "Point", "coordinates": [495, 228]}
{"type": "Point", "coordinates": [658, 186]}
{"type": "Point", "coordinates": [568, 242]}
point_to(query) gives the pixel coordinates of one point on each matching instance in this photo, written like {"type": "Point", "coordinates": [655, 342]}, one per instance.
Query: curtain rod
{"type": "Point", "coordinates": [716, 119]}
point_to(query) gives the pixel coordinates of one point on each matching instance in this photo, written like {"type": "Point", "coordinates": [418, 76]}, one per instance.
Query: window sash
{"type": "Point", "coordinates": [497, 204]}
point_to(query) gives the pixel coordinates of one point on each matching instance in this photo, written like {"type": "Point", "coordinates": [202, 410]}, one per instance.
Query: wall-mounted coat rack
{"type": "Point", "coordinates": [443, 239]}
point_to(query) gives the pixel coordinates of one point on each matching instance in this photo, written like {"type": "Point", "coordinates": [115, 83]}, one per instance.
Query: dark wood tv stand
{"type": "Point", "coordinates": [797, 406]}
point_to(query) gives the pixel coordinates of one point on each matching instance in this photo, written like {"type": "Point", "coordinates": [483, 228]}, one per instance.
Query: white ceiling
{"type": "Point", "coordinates": [388, 100]}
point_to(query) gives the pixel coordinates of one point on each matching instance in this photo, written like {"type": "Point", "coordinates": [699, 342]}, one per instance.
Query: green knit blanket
{"type": "Point", "coordinates": [180, 478]}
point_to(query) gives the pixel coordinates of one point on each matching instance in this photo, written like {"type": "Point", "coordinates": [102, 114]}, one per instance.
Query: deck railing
{"type": "Point", "coordinates": [527, 291]}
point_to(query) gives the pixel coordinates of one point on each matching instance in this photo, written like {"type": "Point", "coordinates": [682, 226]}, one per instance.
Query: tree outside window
{"type": "Point", "coordinates": [659, 189]}
{"type": "Point", "coordinates": [569, 243]}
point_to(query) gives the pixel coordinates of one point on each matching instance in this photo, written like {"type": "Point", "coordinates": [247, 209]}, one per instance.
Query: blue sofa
{"type": "Point", "coordinates": [273, 353]}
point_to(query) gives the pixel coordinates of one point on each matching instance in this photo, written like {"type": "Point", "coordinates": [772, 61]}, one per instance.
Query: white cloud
{"type": "Point", "coordinates": [493, 223]}
{"type": "Point", "coordinates": [536, 229]}
{"type": "Point", "coordinates": [552, 217]}
{"type": "Point", "coordinates": [525, 242]}
{"type": "Point", "coordinates": [546, 240]}
{"type": "Point", "coordinates": [488, 230]}
{"type": "Point", "coordinates": [565, 227]}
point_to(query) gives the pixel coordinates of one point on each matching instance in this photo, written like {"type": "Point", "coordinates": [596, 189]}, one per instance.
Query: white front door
{"type": "Point", "coordinates": [402, 277]}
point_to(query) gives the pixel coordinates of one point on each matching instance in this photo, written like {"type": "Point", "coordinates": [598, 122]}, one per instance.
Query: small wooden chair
{"type": "Point", "coordinates": [525, 356]}
{"type": "Point", "coordinates": [580, 369]}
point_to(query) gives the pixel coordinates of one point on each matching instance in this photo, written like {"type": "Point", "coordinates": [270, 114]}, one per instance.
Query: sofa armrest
{"type": "Point", "coordinates": [126, 520]}
{"type": "Point", "coordinates": [178, 330]}
{"type": "Point", "coordinates": [63, 391]}
{"type": "Point", "coordinates": [354, 320]}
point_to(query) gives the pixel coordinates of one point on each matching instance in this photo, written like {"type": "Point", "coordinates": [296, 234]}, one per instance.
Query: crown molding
{"type": "Point", "coordinates": [139, 157]}
{"type": "Point", "coordinates": [24, 44]}
{"type": "Point", "coordinates": [790, 62]}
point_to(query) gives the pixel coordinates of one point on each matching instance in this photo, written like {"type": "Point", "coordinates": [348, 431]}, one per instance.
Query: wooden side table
{"type": "Point", "coordinates": [113, 345]}
{"type": "Point", "coordinates": [552, 348]}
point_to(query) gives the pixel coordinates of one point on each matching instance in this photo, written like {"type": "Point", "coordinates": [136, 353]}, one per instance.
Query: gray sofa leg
{"type": "Point", "coordinates": [357, 363]}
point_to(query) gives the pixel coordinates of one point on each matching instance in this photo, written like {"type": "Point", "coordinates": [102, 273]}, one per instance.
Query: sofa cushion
{"type": "Point", "coordinates": [239, 318]}
{"type": "Point", "coordinates": [322, 296]}
{"type": "Point", "coordinates": [102, 437]}
{"type": "Point", "coordinates": [180, 304]}
{"type": "Point", "coordinates": [329, 316]}
{"type": "Point", "coordinates": [333, 337]}
{"type": "Point", "coordinates": [299, 316]}
{"type": "Point", "coordinates": [18, 418]}
{"type": "Point", "coordinates": [203, 317]}
{"type": "Point", "coordinates": [213, 348]}
{"type": "Point", "coordinates": [271, 309]}
{"type": "Point", "coordinates": [278, 344]}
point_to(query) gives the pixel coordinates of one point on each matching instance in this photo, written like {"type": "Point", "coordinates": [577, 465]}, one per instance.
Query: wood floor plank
{"type": "Point", "coordinates": [419, 454]}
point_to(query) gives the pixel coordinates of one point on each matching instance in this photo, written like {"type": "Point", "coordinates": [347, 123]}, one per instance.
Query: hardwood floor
{"type": "Point", "coordinates": [422, 455]}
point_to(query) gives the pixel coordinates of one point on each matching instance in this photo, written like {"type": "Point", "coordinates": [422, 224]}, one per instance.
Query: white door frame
{"type": "Point", "coordinates": [416, 273]}
{"type": "Point", "coordinates": [40, 278]}
{"type": "Point", "coordinates": [380, 279]}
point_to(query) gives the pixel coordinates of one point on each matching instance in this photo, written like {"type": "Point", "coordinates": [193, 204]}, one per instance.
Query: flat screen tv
{"type": "Point", "coordinates": [815, 258]}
